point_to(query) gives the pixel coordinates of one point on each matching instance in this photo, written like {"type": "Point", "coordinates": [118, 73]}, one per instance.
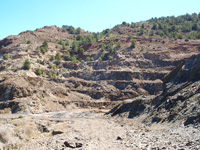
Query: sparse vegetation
{"type": "Point", "coordinates": [60, 42]}
{"type": "Point", "coordinates": [50, 75]}
{"type": "Point", "coordinates": [64, 47]}
{"type": "Point", "coordinates": [50, 66]}
{"type": "Point", "coordinates": [110, 48]}
{"type": "Point", "coordinates": [52, 58]}
{"type": "Point", "coordinates": [110, 57]}
{"type": "Point", "coordinates": [44, 47]}
{"type": "Point", "coordinates": [54, 67]}
{"type": "Point", "coordinates": [27, 64]}
{"type": "Point", "coordinates": [6, 57]}
{"type": "Point", "coordinates": [73, 59]}
{"type": "Point", "coordinates": [103, 56]}
{"type": "Point", "coordinates": [133, 44]}
{"type": "Point", "coordinates": [54, 76]}
{"type": "Point", "coordinates": [119, 44]}
{"type": "Point", "coordinates": [20, 117]}
{"type": "Point", "coordinates": [91, 58]}
{"type": "Point", "coordinates": [38, 61]}
{"type": "Point", "coordinates": [38, 71]}
{"type": "Point", "coordinates": [28, 42]}
{"type": "Point", "coordinates": [67, 43]}
{"type": "Point", "coordinates": [88, 59]}
{"type": "Point", "coordinates": [4, 136]}
{"type": "Point", "coordinates": [58, 57]}
{"type": "Point", "coordinates": [44, 74]}
{"type": "Point", "coordinates": [108, 67]}
{"type": "Point", "coordinates": [82, 51]}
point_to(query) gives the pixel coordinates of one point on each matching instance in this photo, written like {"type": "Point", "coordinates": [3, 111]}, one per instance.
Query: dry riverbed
{"type": "Point", "coordinates": [89, 130]}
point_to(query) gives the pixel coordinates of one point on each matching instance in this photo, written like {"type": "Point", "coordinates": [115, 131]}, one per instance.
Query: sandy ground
{"type": "Point", "coordinates": [91, 130]}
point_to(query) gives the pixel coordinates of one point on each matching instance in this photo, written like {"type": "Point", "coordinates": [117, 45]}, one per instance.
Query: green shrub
{"type": "Point", "coordinates": [142, 26]}
{"type": "Point", "coordinates": [82, 51]}
{"type": "Point", "coordinates": [54, 67]}
{"type": "Point", "coordinates": [111, 43]}
{"type": "Point", "coordinates": [27, 64]}
{"type": "Point", "coordinates": [52, 58]}
{"type": "Point", "coordinates": [75, 50]}
{"type": "Point", "coordinates": [133, 44]}
{"type": "Point", "coordinates": [110, 57]}
{"type": "Point", "coordinates": [42, 49]}
{"type": "Point", "coordinates": [44, 74]}
{"type": "Point", "coordinates": [63, 47]}
{"type": "Point", "coordinates": [28, 42]}
{"type": "Point", "coordinates": [68, 53]}
{"type": "Point", "coordinates": [119, 44]}
{"type": "Point", "coordinates": [73, 59]}
{"type": "Point", "coordinates": [50, 75]}
{"type": "Point", "coordinates": [38, 61]}
{"type": "Point", "coordinates": [58, 57]}
{"type": "Point", "coordinates": [130, 37]}
{"type": "Point", "coordinates": [78, 30]}
{"type": "Point", "coordinates": [67, 43]}
{"type": "Point", "coordinates": [20, 117]}
{"type": "Point", "coordinates": [103, 56]}
{"type": "Point", "coordinates": [91, 59]}
{"type": "Point", "coordinates": [69, 58]}
{"type": "Point", "coordinates": [103, 46]}
{"type": "Point", "coordinates": [6, 57]}
{"type": "Point", "coordinates": [88, 59]}
{"type": "Point", "coordinates": [60, 42]}
{"type": "Point", "coordinates": [38, 71]}
{"type": "Point", "coordinates": [110, 48]}
{"type": "Point", "coordinates": [45, 44]}
{"type": "Point", "coordinates": [38, 49]}
{"type": "Point", "coordinates": [54, 76]}
{"type": "Point", "coordinates": [50, 66]}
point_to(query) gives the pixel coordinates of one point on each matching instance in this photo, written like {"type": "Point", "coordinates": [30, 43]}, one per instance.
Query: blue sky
{"type": "Point", "coordinates": [91, 15]}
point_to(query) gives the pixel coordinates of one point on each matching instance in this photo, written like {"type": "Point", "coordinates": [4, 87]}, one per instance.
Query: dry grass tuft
{"type": "Point", "coordinates": [4, 136]}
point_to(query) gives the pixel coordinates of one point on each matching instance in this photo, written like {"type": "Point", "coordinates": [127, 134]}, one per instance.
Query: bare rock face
{"type": "Point", "coordinates": [30, 94]}
{"type": "Point", "coordinates": [132, 107]}
{"type": "Point", "coordinates": [10, 89]}
{"type": "Point", "coordinates": [8, 40]}
{"type": "Point", "coordinates": [107, 79]}
{"type": "Point", "coordinates": [180, 100]}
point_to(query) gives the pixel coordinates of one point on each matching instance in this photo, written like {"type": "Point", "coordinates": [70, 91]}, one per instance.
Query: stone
{"type": "Point", "coordinates": [56, 132]}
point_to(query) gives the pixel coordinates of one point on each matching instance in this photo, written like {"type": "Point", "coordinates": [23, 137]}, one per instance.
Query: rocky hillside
{"type": "Point", "coordinates": [71, 67]}
{"type": "Point", "coordinates": [56, 84]}
{"type": "Point", "coordinates": [179, 101]}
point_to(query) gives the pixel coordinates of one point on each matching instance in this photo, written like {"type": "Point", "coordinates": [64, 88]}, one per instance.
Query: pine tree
{"type": "Point", "coordinates": [6, 57]}
{"type": "Point", "coordinates": [82, 51]}
{"type": "Point", "coordinates": [27, 64]}
{"type": "Point", "coordinates": [58, 57]}
{"type": "Point", "coordinates": [133, 44]}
